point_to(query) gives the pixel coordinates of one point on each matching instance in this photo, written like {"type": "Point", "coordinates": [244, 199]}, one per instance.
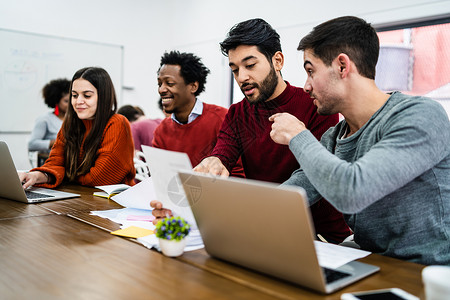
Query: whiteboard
{"type": "Point", "coordinates": [29, 61]}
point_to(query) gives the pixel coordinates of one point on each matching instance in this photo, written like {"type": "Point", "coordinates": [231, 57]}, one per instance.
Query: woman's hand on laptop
{"type": "Point", "coordinates": [212, 165]}
{"type": "Point", "coordinates": [31, 178]}
{"type": "Point", "coordinates": [159, 212]}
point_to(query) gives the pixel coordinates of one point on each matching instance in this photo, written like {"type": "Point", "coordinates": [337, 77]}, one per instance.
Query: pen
{"type": "Point", "coordinates": [322, 238]}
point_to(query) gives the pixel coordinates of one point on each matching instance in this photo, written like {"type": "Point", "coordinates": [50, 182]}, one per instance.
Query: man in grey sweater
{"type": "Point", "coordinates": [387, 165]}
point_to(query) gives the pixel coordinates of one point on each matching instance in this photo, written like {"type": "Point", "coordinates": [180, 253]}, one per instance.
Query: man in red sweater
{"type": "Point", "coordinates": [194, 125]}
{"type": "Point", "coordinates": [254, 52]}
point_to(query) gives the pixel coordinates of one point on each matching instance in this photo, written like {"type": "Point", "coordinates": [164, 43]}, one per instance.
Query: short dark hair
{"type": "Point", "coordinates": [253, 32]}
{"type": "Point", "coordinates": [139, 110]}
{"type": "Point", "coordinates": [54, 91]}
{"type": "Point", "coordinates": [350, 35]}
{"type": "Point", "coordinates": [191, 68]}
{"type": "Point", "coordinates": [129, 111]}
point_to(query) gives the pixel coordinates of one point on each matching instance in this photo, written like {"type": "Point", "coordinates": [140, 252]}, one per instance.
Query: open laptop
{"type": "Point", "coordinates": [11, 187]}
{"type": "Point", "coordinates": [263, 227]}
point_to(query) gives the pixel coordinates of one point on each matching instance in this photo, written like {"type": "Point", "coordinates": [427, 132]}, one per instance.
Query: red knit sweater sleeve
{"type": "Point", "coordinates": [114, 163]}
{"type": "Point", "coordinates": [227, 148]}
{"type": "Point", "coordinates": [237, 169]}
{"type": "Point", "coordinates": [54, 164]}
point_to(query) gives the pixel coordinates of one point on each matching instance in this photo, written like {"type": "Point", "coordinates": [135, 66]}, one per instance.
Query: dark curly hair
{"type": "Point", "coordinates": [191, 68]}
{"type": "Point", "coordinates": [54, 91]}
{"type": "Point", "coordinates": [253, 32]}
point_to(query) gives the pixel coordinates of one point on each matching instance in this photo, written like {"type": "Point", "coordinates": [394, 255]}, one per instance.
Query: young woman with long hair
{"type": "Point", "coordinates": [94, 145]}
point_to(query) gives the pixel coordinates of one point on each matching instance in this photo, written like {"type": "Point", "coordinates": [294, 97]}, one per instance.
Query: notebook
{"type": "Point", "coordinates": [11, 187]}
{"type": "Point", "coordinates": [263, 227]}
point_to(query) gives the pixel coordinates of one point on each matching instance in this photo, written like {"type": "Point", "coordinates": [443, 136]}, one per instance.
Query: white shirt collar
{"type": "Point", "coordinates": [196, 111]}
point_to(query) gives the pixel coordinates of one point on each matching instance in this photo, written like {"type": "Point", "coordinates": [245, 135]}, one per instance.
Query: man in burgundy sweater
{"type": "Point", "coordinates": [255, 58]}
{"type": "Point", "coordinates": [194, 125]}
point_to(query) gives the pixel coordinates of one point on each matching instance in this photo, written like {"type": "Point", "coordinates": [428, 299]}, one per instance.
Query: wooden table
{"type": "Point", "coordinates": [11, 209]}
{"type": "Point", "coordinates": [86, 203]}
{"type": "Point", "coordinates": [393, 273]}
{"type": "Point", "coordinates": [83, 261]}
{"type": "Point", "coordinates": [57, 257]}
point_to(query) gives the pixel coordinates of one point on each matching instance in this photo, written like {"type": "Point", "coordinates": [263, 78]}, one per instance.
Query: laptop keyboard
{"type": "Point", "coordinates": [333, 275]}
{"type": "Point", "coordinates": [34, 195]}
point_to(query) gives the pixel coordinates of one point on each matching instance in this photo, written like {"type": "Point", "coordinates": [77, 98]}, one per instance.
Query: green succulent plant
{"type": "Point", "coordinates": [172, 228]}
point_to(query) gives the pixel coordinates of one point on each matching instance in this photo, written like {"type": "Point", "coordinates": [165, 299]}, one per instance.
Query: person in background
{"type": "Point", "coordinates": [140, 112]}
{"type": "Point", "coordinates": [386, 166]}
{"type": "Point", "coordinates": [142, 128]}
{"type": "Point", "coordinates": [254, 53]}
{"type": "Point", "coordinates": [194, 125]}
{"type": "Point", "coordinates": [130, 112]}
{"type": "Point", "coordinates": [56, 95]}
{"type": "Point", "coordinates": [143, 132]}
{"type": "Point", "coordinates": [94, 145]}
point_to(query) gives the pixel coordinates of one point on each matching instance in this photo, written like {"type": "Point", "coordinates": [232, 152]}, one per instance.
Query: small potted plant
{"type": "Point", "coordinates": [171, 233]}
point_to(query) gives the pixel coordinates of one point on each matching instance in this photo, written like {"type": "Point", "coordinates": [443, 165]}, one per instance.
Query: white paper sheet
{"type": "Point", "coordinates": [164, 166]}
{"type": "Point", "coordinates": [137, 196]}
{"type": "Point", "coordinates": [333, 256]}
{"type": "Point", "coordinates": [164, 182]}
{"type": "Point", "coordinates": [122, 215]}
{"type": "Point", "coordinates": [113, 188]}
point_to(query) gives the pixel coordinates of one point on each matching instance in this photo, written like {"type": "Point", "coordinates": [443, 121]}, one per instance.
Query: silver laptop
{"type": "Point", "coordinates": [11, 187]}
{"type": "Point", "coordinates": [263, 227]}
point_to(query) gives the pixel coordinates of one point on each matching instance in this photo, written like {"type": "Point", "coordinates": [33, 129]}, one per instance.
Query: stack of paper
{"type": "Point", "coordinates": [137, 215]}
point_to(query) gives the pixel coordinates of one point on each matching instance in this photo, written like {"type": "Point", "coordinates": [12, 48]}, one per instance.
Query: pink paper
{"type": "Point", "coordinates": [140, 218]}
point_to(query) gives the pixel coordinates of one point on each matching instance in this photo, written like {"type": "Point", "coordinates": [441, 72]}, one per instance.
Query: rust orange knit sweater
{"type": "Point", "coordinates": [114, 162]}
